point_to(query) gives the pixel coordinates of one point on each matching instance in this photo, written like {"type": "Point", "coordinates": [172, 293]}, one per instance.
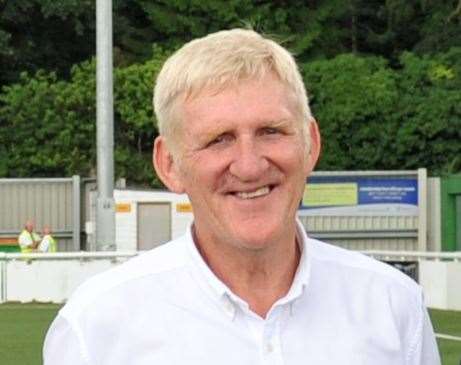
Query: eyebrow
{"type": "Point", "coordinates": [262, 124]}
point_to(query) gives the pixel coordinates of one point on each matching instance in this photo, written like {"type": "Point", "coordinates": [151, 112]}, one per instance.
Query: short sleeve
{"type": "Point", "coordinates": [62, 345]}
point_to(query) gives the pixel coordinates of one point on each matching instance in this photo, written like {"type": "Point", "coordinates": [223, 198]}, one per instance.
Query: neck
{"type": "Point", "coordinates": [260, 277]}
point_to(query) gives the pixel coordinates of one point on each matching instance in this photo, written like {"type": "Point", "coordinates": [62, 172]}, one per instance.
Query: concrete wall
{"type": "Point", "coordinates": [441, 281]}
{"type": "Point", "coordinates": [48, 280]}
{"type": "Point", "coordinates": [53, 280]}
{"type": "Point", "coordinates": [54, 202]}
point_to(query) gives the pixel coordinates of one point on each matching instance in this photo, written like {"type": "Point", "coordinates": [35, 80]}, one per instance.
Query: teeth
{"type": "Point", "coordinates": [253, 194]}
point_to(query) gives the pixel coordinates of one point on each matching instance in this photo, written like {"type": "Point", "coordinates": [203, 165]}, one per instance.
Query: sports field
{"type": "Point", "coordinates": [23, 327]}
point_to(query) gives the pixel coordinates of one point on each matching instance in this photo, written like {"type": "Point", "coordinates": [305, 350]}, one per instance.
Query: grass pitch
{"type": "Point", "coordinates": [23, 328]}
{"type": "Point", "coordinates": [22, 331]}
{"type": "Point", "coordinates": [448, 323]}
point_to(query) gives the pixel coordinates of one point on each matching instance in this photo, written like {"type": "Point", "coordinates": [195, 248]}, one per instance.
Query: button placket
{"type": "Point", "coordinates": [271, 340]}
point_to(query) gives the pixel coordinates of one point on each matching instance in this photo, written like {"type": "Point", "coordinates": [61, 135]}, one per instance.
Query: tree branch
{"type": "Point", "coordinates": [455, 13]}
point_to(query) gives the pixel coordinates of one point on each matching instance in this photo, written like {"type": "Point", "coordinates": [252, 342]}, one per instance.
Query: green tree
{"type": "Point", "coordinates": [47, 125]}
{"type": "Point", "coordinates": [49, 34]}
{"type": "Point", "coordinates": [427, 117]}
{"type": "Point", "coordinates": [352, 96]}
{"type": "Point", "coordinates": [374, 117]}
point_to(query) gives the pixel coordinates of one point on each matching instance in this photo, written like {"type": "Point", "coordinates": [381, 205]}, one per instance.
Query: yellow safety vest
{"type": "Point", "coordinates": [33, 237]}
{"type": "Point", "coordinates": [53, 244]}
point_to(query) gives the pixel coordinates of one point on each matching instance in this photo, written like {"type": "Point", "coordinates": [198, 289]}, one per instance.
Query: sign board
{"type": "Point", "coordinates": [355, 195]}
{"type": "Point", "coordinates": [184, 208]}
{"type": "Point", "coordinates": [123, 207]}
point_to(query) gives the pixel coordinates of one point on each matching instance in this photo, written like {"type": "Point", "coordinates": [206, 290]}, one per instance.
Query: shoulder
{"type": "Point", "coordinates": [156, 266]}
{"type": "Point", "coordinates": [366, 285]}
{"type": "Point", "coordinates": [359, 268]}
{"type": "Point", "coordinates": [375, 294]}
{"type": "Point", "coordinates": [24, 233]}
{"type": "Point", "coordinates": [25, 237]}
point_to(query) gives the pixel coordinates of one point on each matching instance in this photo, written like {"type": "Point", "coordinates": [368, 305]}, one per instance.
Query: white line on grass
{"type": "Point", "coordinates": [447, 337]}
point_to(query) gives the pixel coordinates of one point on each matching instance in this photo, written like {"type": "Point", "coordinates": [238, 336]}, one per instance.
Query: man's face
{"type": "Point", "coordinates": [30, 226]}
{"type": "Point", "coordinates": [243, 163]}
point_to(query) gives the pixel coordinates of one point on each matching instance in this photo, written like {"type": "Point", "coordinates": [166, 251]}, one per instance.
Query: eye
{"type": "Point", "coordinates": [222, 138]}
{"type": "Point", "coordinates": [270, 130]}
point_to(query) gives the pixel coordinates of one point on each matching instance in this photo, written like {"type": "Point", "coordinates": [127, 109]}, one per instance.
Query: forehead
{"type": "Point", "coordinates": [253, 100]}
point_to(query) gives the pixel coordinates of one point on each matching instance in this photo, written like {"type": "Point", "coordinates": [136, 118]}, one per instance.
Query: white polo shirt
{"type": "Point", "coordinates": [167, 307]}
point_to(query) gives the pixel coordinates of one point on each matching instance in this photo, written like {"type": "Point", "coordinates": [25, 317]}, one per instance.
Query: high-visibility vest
{"type": "Point", "coordinates": [52, 244]}
{"type": "Point", "coordinates": [33, 237]}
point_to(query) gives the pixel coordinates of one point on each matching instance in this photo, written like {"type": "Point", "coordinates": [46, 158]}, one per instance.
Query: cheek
{"type": "Point", "coordinates": [296, 158]}
{"type": "Point", "coordinates": [201, 171]}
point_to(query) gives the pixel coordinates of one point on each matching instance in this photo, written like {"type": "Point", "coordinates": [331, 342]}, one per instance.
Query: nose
{"type": "Point", "coordinates": [248, 164]}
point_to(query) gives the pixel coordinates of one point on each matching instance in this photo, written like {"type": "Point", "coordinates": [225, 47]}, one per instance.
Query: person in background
{"type": "Point", "coordinates": [29, 240]}
{"type": "Point", "coordinates": [48, 243]}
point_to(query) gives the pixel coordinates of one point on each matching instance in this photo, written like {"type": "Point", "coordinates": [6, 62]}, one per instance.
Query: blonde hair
{"type": "Point", "coordinates": [219, 60]}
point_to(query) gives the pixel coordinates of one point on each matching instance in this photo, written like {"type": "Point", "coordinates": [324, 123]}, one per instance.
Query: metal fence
{"type": "Point", "coordinates": [373, 232]}
{"type": "Point", "coordinates": [54, 202]}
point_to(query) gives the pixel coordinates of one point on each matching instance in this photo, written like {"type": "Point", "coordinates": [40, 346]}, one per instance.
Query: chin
{"type": "Point", "coordinates": [256, 236]}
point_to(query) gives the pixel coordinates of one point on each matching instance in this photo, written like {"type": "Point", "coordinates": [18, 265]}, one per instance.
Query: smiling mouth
{"type": "Point", "coordinates": [262, 191]}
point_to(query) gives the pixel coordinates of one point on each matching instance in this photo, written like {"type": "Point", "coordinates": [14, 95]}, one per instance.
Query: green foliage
{"type": "Point", "coordinates": [44, 34]}
{"type": "Point", "coordinates": [384, 78]}
{"type": "Point", "coordinates": [428, 114]}
{"type": "Point", "coordinates": [371, 116]}
{"type": "Point", "coordinates": [43, 128]}
{"type": "Point", "coordinates": [134, 128]}
{"type": "Point", "coordinates": [48, 125]}
{"type": "Point", "coordinates": [55, 34]}
{"type": "Point", "coordinates": [351, 97]}
{"type": "Point", "coordinates": [375, 117]}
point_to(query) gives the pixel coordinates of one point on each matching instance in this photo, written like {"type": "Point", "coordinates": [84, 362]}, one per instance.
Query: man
{"type": "Point", "coordinates": [28, 240]}
{"type": "Point", "coordinates": [48, 243]}
{"type": "Point", "coordinates": [245, 285]}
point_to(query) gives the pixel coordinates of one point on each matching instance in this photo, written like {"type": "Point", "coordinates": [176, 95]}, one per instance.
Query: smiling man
{"type": "Point", "coordinates": [245, 284]}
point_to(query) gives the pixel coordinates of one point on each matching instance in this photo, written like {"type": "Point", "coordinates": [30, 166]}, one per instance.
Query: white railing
{"type": "Point", "coordinates": [393, 255]}
{"type": "Point", "coordinates": [413, 255]}
{"type": "Point", "coordinates": [52, 277]}
{"type": "Point", "coordinates": [68, 255]}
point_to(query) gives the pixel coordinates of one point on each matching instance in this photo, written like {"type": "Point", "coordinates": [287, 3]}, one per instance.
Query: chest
{"type": "Point", "coordinates": [187, 338]}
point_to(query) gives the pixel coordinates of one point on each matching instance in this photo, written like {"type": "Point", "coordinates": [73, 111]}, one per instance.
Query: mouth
{"type": "Point", "coordinates": [253, 194]}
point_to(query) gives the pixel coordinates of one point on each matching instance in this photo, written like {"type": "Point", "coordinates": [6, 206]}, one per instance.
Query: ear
{"type": "Point", "coordinates": [315, 146]}
{"type": "Point", "coordinates": [166, 167]}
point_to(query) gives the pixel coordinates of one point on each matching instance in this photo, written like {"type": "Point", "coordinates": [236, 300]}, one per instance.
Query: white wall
{"type": "Point", "coordinates": [48, 280]}
{"type": "Point", "coordinates": [441, 281]}
{"type": "Point", "coordinates": [51, 280]}
{"type": "Point", "coordinates": [126, 222]}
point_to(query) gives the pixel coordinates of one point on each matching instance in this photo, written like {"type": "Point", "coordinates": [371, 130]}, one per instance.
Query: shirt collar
{"type": "Point", "coordinates": [220, 291]}
{"type": "Point", "coordinates": [302, 275]}
{"type": "Point", "coordinates": [206, 277]}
